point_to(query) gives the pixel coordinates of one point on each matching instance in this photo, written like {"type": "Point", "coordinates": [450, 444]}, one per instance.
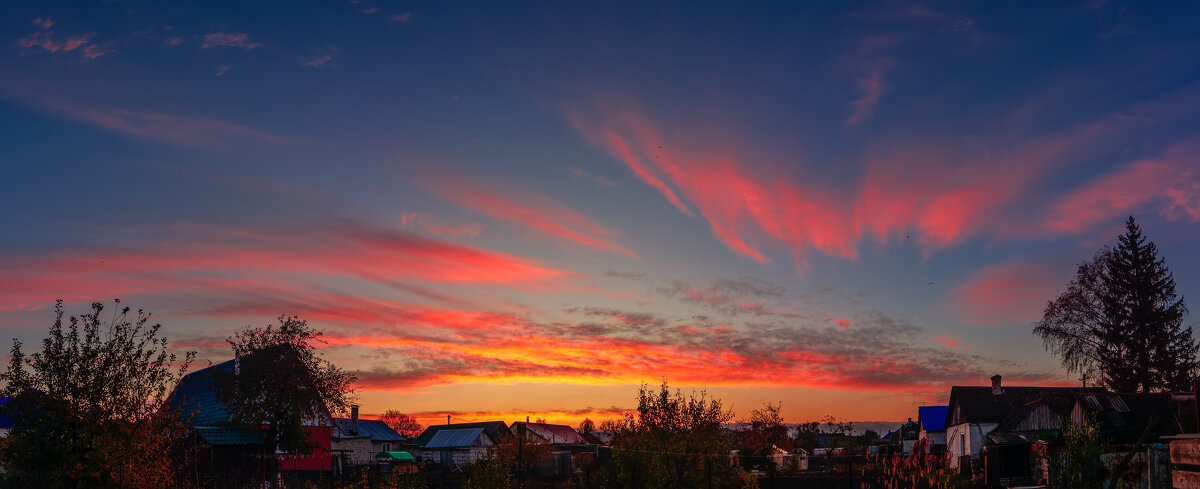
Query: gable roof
{"type": "Point", "coordinates": [373, 428]}
{"type": "Point", "coordinates": [195, 397]}
{"type": "Point", "coordinates": [553, 433]}
{"type": "Point", "coordinates": [497, 430]}
{"type": "Point", "coordinates": [970, 404]}
{"type": "Point", "coordinates": [458, 438]}
{"type": "Point", "coordinates": [932, 418]}
{"type": "Point", "coordinates": [1123, 416]}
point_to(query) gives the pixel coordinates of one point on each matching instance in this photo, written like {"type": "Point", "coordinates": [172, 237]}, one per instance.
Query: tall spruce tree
{"type": "Point", "coordinates": [1120, 321]}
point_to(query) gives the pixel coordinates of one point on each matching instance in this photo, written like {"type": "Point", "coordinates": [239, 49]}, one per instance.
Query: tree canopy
{"type": "Point", "coordinates": [671, 441]}
{"type": "Point", "coordinates": [1120, 322]}
{"type": "Point", "coordinates": [89, 409]}
{"type": "Point", "coordinates": [407, 426]}
{"type": "Point", "coordinates": [283, 382]}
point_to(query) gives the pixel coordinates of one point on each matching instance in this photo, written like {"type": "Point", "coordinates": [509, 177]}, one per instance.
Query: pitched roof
{"type": "Point", "coordinates": [227, 436]}
{"type": "Point", "coordinates": [458, 438]}
{"type": "Point", "coordinates": [553, 433]}
{"type": "Point", "coordinates": [969, 404]}
{"type": "Point", "coordinates": [1123, 416]}
{"type": "Point", "coordinates": [933, 418]}
{"type": "Point", "coordinates": [495, 429]}
{"type": "Point", "coordinates": [373, 428]}
{"type": "Point", "coordinates": [195, 397]}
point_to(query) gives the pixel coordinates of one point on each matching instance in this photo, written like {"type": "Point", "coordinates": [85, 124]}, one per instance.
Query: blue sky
{"type": "Point", "coordinates": [844, 207]}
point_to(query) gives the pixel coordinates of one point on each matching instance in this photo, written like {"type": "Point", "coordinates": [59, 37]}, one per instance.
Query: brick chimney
{"type": "Point", "coordinates": [996, 388]}
{"type": "Point", "coordinates": [354, 418]}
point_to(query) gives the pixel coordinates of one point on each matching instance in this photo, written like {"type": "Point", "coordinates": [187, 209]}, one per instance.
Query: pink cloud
{"type": "Point", "coordinates": [400, 18]}
{"type": "Point", "coordinates": [207, 259]}
{"type": "Point", "coordinates": [525, 208]}
{"type": "Point", "coordinates": [173, 42]}
{"type": "Point", "coordinates": [1010, 293]}
{"type": "Point", "coordinates": [43, 23]}
{"type": "Point", "coordinates": [938, 193]}
{"type": "Point", "coordinates": [160, 127]}
{"type": "Point", "coordinates": [946, 340]}
{"type": "Point", "coordinates": [224, 39]}
{"type": "Point", "coordinates": [47, 42]}
{"type": "Point", "coordinates": [1170, 183]}
{"type": "Point", "coordinates": [321, 57]}
{"type": "Point", "coordinates": [843, 323]}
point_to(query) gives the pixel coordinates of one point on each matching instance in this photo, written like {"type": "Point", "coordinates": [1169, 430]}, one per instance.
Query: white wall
{"type": "Point", "coordinates": [973, 440]}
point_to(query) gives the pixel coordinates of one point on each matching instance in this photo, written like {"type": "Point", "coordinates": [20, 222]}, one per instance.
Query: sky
{"type": "Point", "coordinates": [505, 210]}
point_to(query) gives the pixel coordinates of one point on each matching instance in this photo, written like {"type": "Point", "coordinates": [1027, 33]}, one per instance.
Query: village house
{"type": "Point", "coordinates": [358, 441]}
{"type": "Point", "coordinates": [975, 412]}
{"type": "Point", "coordinates": [458, 444]}
{"type": "Point", "coordinates": [932, 421]}
{"type": "Point", "coordinates": [221, 452]}
{"type": "Point", "coordinates": [992, 432]}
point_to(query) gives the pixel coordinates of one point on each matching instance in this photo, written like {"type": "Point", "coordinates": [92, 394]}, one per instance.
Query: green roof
{"type": "Point", "coordinates": [228, 436]}
{"type": "Point", "coordinates": [402, 456]}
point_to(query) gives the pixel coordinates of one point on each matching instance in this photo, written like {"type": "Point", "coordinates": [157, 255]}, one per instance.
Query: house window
{"type": "Point", "coordinates": [962, 444]}
{"type": "Point", "coordinates": [387, 447]}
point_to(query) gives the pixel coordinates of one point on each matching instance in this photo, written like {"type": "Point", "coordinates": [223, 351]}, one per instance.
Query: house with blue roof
{"type": "Point", "coordinates": [237, 448]}
{"type": "Point", "coordinates": [932, 420]}
{"type": "Point", "coordinates": [358, 441]}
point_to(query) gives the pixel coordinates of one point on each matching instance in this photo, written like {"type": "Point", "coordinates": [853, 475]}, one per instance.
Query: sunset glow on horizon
{"type": "Point", "coordinates": [500, 211]}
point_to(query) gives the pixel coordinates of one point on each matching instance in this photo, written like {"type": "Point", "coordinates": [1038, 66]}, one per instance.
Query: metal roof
{"type": "Point", "coordinates": [933, 418]}
{"type": "Point", "coordinates": [377, 430]}
{"type": "Point", "coordinates": [462, 438]}
{"type": "Point", "coordinates": [195, 396]}
{"type": "Point", "coordinates": [227, 436]}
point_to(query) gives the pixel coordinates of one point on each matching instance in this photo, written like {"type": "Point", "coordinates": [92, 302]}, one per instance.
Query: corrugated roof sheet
{"type": "Point", "coordinates": [377, 430]}
{"type": "Point", "coordinates": [933, 418]}
{"type": "Point", "coordinates": [196, 399]}
{"type": "Point", "coordinates": [228, 436]}
{"type": "Point", "coordinates": [462, 438]}
{"type": "Point", "coordinates": [497, 430]}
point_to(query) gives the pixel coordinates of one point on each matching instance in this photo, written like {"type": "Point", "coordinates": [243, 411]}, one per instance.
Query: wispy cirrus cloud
{"type": "Point", "coordinates": [938, 192]}
{"type": "Point", "coordinates": [158, 127]}
{"type": "Point", "coordinates": [43, 23]}
{"type": "Point", "coordinates": [400, 18]}
{"type": "Point", "coordinates": [525, 208]}
{"type": "Point", "coordinates": [207, 260]}
{"type": "Point", "coordinates": [321, 57]}
{"type": "Point", "coordinates": [240, 40]}
{"type": "Point", "coordinates": [1169, 184]}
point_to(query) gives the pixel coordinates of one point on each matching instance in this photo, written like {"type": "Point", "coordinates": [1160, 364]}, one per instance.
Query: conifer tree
{"type": "Point", "coordinates": [1120, 321]}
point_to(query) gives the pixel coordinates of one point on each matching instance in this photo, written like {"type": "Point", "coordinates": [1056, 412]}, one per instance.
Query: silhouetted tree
{"type": "Point", "coordinates": [586, 426]}
{"type": "Point", "coordinates": [807, 435]}
{"type": "Point", "coordinates": [89, 409]}
{"type": "Point", "coordinates": [283, 383]}
{"type": "Point", "coordinates": [671, 441]}
{"type": "Point", "coordinates": [404, 424]}
{"type": "Point", "coordinates": [1120, 321]}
